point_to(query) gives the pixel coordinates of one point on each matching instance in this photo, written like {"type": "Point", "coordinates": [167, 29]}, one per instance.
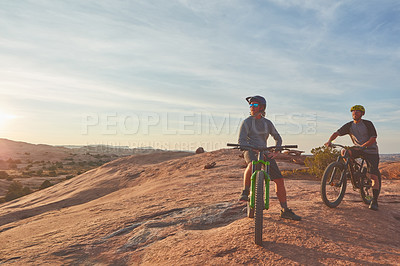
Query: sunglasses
{"type": "Point", "coordinates": [254, 105]}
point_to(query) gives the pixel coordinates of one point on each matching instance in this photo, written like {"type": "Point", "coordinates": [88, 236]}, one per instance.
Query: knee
{"type": "Point", "coordinates": [343, 151]}
{"type": "Point", "coordinates": [249, 166]}
{"type": "Point", "coordinates": [279, 183]}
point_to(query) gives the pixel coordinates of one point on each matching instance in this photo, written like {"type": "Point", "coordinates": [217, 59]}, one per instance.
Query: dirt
{"type": "Point", "coordinates": [390, 170]}
{"type": "Point", "coordinates": [166, 209]}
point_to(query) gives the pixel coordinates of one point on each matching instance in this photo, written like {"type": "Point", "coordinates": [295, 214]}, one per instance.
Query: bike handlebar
{"type": "Point", "coordinates": [346, 147]}
{"type": "Point", "coordinates": [248, 147]}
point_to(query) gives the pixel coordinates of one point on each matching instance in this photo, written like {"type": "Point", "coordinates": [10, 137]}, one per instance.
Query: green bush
{"type": "Point", "coordinates": [3, 175]}
{"type": "Point", "coordinates": [322, 157]}
{"type": "Point", "coordinates": [45, 184]}
{"type": "Point", "coordinates": [16, 190]}
{"type": "Point", "coordinates": [52, 173]}
{"type": "Point", "coordinates": [39, 172]}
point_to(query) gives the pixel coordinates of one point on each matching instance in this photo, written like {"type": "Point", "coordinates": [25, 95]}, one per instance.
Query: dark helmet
{"type": "Point", "coordinates": [258, 99]}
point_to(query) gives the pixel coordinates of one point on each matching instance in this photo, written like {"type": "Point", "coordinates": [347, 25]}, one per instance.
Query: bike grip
{"type": "Point", "coordinates": [291, 146]}
{"type": "Point", "coordinates": [232, 145]}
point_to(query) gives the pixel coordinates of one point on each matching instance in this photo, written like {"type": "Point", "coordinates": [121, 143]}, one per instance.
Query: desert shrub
{"type": "Point", "coordinates": [322, 157]}
{"type": "Point", "coordinates": [39, 172]}
{"type": "Point", "coordinates": [52, 168]}
{"type": "Point", "coordinates": [52, 173]}
{"type": "Point", "coordinates": [12, 166]}
{"type": "Point", "coordinates": [3, 175]}
{"type": "Point", "coordinates": [16, 190]}
{"type": "Point", "coordinates": [45, 184]}
{"type": "Point", "coordinates": [17, 161]}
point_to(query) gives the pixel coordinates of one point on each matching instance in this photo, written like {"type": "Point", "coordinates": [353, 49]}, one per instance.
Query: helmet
{"type": "Point", "coordinates": [258, 99]}
{"type": "Point", "coordinates": [357, 108]}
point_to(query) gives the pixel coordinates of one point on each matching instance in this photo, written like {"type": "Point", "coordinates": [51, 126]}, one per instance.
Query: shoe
{"type": "Point", "coordinates": [289, 214]}
{"type": "Point", "coordinates": [244, 196]}
{"type": "Point", "coordinates": [373, 205]}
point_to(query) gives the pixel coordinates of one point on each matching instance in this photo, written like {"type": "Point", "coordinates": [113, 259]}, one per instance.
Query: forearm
{"type": "Point", "coordinates": [333, 137]}
{"type": "Point", "coordinates": [278, 140]}
{"type": "Point", "coordinates": [371, 141]}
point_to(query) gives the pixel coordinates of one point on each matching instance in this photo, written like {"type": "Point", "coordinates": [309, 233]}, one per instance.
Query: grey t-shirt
{"type": "Point", "coordinates": [360, 133]}
{"type": "Point", "coordinates": [255, 132]}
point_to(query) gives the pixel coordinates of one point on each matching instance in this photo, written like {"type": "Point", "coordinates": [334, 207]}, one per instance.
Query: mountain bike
{"type": "Point", "coordinates": [257, 201]}
{"type": "Point", "coordinates": [334, 180]}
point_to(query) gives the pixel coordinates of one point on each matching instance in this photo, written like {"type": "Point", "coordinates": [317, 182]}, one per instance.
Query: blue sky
{"type": "Point", "coordinates": [174, 74]}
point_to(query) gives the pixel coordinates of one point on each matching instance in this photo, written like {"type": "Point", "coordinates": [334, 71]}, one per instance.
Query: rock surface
{"type": "Point", "coordinates": [166, 208]}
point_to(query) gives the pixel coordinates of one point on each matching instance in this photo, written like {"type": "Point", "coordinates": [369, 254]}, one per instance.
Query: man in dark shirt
{"type": "Point", "coordinates": [363, 135]}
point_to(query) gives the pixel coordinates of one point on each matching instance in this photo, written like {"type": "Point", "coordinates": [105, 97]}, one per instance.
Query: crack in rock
{"type": "Point", "coordinates": [164, 224]}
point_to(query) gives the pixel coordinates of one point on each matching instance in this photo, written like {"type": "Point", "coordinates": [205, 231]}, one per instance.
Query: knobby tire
{"type": "Point", "coordinates": [337, 169]}
{"type": "Point", "coordinates": [259, 208]}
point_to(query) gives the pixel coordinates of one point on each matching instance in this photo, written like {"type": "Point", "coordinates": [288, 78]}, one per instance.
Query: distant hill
{"type": "Point", "coordinates": [10, 149]}
{"type": "Point", "coordinates": [389, 157]}
{"type": "Point", "coordinates": [33, 164]}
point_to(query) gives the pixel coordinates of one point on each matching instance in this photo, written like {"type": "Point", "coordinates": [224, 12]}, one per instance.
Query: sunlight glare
{"type": "Point", "coordinates": [4, 118]}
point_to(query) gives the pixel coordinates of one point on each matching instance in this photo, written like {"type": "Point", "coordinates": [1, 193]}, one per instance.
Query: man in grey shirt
{"type": "Point", "coordinates": [255, 131]}
{"type": "Point", "coordinates": [363, 135]}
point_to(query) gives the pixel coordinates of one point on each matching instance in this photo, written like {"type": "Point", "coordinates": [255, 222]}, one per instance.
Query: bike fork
{"type": "Point", "coordinates": [253, 188]}
{"type": "Point", "coordinates": [267, 179]}
{"type": "Point", "coordinates": [253, 184]}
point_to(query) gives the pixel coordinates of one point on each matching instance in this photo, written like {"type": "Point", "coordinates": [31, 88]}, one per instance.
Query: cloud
{"type": "Point", "coordinates": [199, 56]}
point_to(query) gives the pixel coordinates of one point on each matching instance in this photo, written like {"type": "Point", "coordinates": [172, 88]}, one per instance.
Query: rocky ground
{"type": "Point", "coordinates": [165, 208]}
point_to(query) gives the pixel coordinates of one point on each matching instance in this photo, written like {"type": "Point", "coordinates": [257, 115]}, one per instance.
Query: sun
{"type": "Point", "coordinates": [4, 117]}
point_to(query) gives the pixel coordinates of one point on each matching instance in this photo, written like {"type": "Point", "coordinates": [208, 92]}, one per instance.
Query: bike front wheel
{"type": "Point", "coordinates": [259, 208]}
{"type": "Point", "coordinates": [366, 187]}
{"type": "Point", "coordinates": [333, 184]}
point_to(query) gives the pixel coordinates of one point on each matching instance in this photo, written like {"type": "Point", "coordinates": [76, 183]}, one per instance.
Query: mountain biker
{"type": "Point", "coordinates": [363, 135]}
{"type": "Point", "coordinates": [255, 131]}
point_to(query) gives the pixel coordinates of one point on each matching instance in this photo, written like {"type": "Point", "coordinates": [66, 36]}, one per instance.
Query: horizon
{"type": "Point", "coordinates": [175, 75]}
{"type": "Point", "coordinates": [142, 147]}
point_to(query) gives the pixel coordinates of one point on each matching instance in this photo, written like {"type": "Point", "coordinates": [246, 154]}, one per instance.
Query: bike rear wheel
{"type": "Point", "coordinates": [366, 187]}
{"type": "Point", "coordinates": [259, 208]}
{"type": "Point", "coordinates": [333, 184]}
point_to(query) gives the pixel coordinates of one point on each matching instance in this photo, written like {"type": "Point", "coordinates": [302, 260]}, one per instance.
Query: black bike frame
{"type": "Point", "coordinates": [349, 167]}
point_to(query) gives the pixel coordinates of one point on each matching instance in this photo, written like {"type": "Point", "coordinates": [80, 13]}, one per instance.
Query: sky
{"type": "Point", "coordinates": [175, 74]}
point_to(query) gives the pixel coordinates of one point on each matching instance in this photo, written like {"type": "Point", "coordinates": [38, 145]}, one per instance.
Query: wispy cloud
{"type": "Point", "coordinates": [205, 56]}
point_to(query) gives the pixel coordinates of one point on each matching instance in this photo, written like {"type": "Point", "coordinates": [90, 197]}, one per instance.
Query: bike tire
{"type": "Point", "coordinates": [332, 192]}
{"type": "Point", "coordinates": [366, 188]}
{"type": "Point", "coordinates": [259, 208]}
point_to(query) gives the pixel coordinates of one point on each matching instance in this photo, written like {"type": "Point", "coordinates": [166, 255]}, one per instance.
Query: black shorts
{"type": "Point", "coordinates": [274, 172]}
{"type": "Point", "coordinates": [371, 159]}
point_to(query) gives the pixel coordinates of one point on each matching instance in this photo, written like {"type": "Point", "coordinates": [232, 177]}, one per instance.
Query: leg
{"type": "Point", "coordinates": [249, 156]}
{"type": "Point", "coordinates": [373, 164]}
{"type": "Point", "coordinates": [281, 191]}
{"type": "Point", "coordinates": [375, 181]}
{"type": "Point", "coordinates": [247, 177]}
